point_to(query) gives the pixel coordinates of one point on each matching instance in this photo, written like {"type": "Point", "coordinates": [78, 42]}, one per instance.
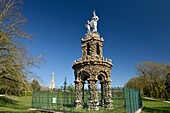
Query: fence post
{"type": "Point", "coordinates": [32, 100]}
{"type": "Point", "coordinates": [127, 100]}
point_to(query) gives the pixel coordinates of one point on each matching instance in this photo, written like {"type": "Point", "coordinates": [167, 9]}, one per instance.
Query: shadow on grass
{"type": "Point", "coordinates": [9, 103]}
{"type": "Point", "coordinates": [155, 106]}
{"type": "Point", "coordinates": [157, 110]}
{"type": "Point", "coordinates": [18, 112]}
{"type": "Point", "coordinates": [4, 101]}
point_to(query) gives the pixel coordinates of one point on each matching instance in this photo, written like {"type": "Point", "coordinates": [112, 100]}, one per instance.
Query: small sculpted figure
{"type": "Point", "coordinates": [88, 26]}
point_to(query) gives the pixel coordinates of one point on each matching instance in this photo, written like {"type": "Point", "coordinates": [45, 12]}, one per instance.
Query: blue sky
{"type": "Point", "coordinates": [133, 31]}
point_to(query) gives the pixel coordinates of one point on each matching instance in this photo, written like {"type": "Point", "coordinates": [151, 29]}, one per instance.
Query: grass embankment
{"type": "Point", "coordinates": [155, 106]}
{"type": "Point", "coordinates": [14, 104]}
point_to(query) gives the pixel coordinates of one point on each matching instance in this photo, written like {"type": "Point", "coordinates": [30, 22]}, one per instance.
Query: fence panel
{"type": "Point", "coordinates": [118, 97]}
{"type": "Point", "coordinates": [124, 100]}
{"type": "Point", "coordinates": [133, 100]}
{"type": "Point", "coordinates": [53, 100]}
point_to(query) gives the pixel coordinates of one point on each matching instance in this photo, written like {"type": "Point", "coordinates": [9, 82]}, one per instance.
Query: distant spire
{"type": "Point", "coordinates": [52, 72]}
{"type": "Point", "coordinates": [52, 83]}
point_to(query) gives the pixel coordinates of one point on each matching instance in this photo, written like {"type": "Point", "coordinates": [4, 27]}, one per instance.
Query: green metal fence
{"type": "Point", "coordinates": [59, 100]}
{"type": "Point", "coordinates": [133, 100]}
{"type": "Point", "coordinates": [124, 100]}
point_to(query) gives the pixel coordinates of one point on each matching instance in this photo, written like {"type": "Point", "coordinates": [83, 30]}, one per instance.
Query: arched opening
{"type": "Point", "coordinates": [88, 49]}
{"type": "Point", "coordinates": [85, 77]}
{"type": "Point", "coordinates": [85, 93]}
{"type": "Point", "coordinates": [99, 81]}
{"type": "Point", "coordinates": [97, 49]}
{"type": "Point", "coordinates": [100, 90]}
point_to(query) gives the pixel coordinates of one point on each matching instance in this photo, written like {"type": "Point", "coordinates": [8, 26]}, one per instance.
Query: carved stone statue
{"type": "Point", "coordinates": [93, 23]}
{"type": "Point", "coordinates": [88, 26]}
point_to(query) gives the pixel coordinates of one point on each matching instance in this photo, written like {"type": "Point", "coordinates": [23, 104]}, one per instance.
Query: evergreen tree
{"type": "Point", "coordinates": [35, 85]}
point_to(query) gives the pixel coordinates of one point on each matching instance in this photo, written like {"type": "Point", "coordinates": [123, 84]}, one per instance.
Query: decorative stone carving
{"type": "Point", "coordinates": [92, 67]}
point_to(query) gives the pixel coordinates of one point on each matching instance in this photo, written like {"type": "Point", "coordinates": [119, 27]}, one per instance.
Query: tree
{"type": "Point", "coordinates": [71, 87]}
{"type": "Point", "coordinates": [153, 80]}
{"type": "Point", "coordinates": [14, 58]}
{"type": "Point", "coordinates": [35, 85]}
{"type": "Point", "coordinates": [153, 75]}
{"type": "Point", "coordinates": [132, 83]}
{"type": "Point", "coordinates": [167, 83]}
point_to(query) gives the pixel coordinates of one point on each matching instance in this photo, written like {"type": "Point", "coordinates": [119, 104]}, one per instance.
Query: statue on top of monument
{"type": "Point", "coordinates": [88, 26]}
{"type": "Point", "coordinates": [93, 23]}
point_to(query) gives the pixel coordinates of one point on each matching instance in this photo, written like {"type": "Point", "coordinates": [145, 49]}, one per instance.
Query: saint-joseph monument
{"type": "Point", "coordinates": [92, 68]}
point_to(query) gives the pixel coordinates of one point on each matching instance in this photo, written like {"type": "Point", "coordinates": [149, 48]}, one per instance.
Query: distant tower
{"type": "Point", "coordinates": [52, 83]}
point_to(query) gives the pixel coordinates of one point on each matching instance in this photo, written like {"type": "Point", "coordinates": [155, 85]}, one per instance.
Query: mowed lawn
{"type": "Point", "coordinates": [15, 104]}
{"type": "Point", "coordinates": [155, 106]}
{"type": "Point", "coordinates": [21, 104]}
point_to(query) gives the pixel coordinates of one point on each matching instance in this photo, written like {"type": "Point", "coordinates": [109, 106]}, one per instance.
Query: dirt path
{"type": "Point", "coordinates": [156, 99]}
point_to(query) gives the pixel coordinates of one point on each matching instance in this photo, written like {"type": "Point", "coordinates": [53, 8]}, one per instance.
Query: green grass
{"type": "Point", "coordinates": [152, 106]}
{"type": "Point", "coordinates": [14, 104]}
{"type": "Point", "coordinates": [113, 110]}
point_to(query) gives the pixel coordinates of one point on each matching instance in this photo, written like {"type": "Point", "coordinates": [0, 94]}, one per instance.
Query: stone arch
{"type": "Point", "coordinates": [101, 76]}
{"type": "Point", "coordinates": [84, 75]}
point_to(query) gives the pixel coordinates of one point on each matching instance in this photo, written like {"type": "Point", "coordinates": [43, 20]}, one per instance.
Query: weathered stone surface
{"type": "Point", "coordinates": [92, 67]}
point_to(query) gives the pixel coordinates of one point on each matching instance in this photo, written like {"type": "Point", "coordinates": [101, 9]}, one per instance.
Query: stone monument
{"type": "Point", "coordinates": [92, 68]}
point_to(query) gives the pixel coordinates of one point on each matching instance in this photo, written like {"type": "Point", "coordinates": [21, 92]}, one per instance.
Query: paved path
{"type": "Point", "coordinates": [42, 110]}
{"type": "Point", "coordinates": [156, 99]}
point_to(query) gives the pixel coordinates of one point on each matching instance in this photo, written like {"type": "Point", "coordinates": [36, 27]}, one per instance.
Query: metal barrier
{"type": "Point", "coordinates": [53, 100]}
{"type": "Point", "coordinates": [133, 100]}
{"type": "Point", "coordinates": [124, 100]}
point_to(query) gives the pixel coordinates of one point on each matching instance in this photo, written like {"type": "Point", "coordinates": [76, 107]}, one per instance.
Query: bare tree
{"type": "Point", "coordinates": [14, 58]}
{"type": "Point", "coordinates": [12, 20]}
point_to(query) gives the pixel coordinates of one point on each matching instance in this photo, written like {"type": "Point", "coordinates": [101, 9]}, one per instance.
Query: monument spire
{"type": "Point", "coordinates": [52, 83]}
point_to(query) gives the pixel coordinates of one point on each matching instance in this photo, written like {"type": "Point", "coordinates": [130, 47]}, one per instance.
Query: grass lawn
{"type": "Point", "coordinates": [152, 106]}
{"type": "Point", "coordinates": [14, 104]}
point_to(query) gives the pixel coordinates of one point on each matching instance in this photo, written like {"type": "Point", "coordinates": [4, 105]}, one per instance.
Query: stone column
{"type": "Point", "coordinates": [108, 95]}
{"type": "Point", "coordinates": [78, 94]}
{"type": "Point", "coordinates": [93, 102]}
